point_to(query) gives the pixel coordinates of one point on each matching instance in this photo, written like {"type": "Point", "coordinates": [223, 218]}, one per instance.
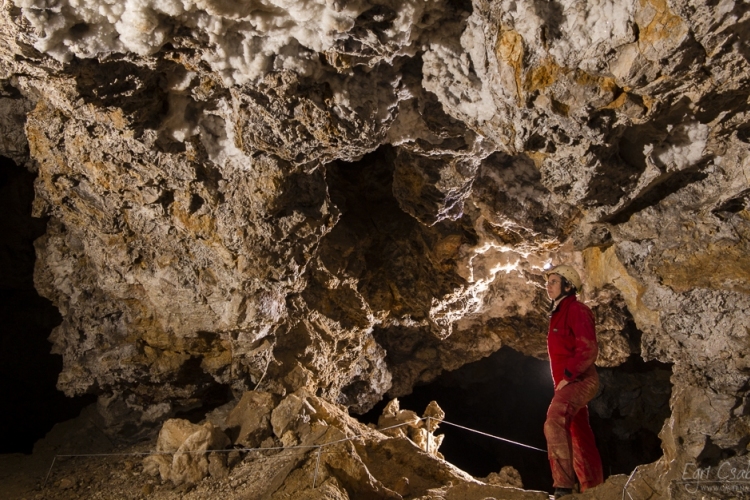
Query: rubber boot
{"type": "Point", "coordinates": [562, 492]}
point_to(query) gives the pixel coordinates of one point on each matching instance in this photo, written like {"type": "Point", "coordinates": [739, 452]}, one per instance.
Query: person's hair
{"type": "Point", "coordinates": [567, 284]}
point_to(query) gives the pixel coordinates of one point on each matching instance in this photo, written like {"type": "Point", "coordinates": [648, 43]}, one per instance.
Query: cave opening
{"type": "Point", "coordinates": [32, 405]}
{"type": "Point", "coordinates": [507, 394]}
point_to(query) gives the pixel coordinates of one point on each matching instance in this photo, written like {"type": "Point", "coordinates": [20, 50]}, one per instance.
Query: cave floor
{"type": "Point", "coordinates": [118, 472]}
{"type": "Point", "coordinates": [23, 477]}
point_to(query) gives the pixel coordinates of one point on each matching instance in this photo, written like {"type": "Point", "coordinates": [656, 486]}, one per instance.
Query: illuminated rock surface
{"type": "Point", "coordinates": [349, 198]}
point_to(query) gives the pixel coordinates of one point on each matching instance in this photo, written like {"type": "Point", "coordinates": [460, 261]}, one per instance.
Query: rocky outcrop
{"type": "Point", "coordinates": [348, 198]}
{"type": "Point", "coordinates": [186, 452]}
{"type": "Point", "coordinates": [318, 451]}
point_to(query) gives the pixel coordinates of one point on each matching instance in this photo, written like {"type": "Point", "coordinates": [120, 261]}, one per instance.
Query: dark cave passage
{"type": "Point", "coordinates": [28, 371]}
{"type": "Point", "coordinates": [507, 395]}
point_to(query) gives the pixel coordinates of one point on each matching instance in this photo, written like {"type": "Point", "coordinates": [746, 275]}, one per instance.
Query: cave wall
{"type": "Point", "coordinates": [28, 370]}
{"type": "Point", "coordinates": [352, 197]}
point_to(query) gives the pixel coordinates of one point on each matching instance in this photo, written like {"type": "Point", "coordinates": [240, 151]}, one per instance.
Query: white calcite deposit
{"type": "Point", "coordinates": [245, 40]}
{"type": "Point", "coordinates": [348, 198]}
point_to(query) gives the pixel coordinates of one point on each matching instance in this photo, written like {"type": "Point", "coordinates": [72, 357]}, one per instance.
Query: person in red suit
{"type": "Point", "coordinates": [572, 348]}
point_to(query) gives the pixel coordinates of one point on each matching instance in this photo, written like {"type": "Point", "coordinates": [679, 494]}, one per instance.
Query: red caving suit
{"type": "Point", "coordinates": [571, 343]}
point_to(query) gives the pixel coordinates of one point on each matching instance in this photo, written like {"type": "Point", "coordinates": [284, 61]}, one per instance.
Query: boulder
{"type": "Point", "coordinates": [249, 423]}
{"type": "Point", "coordinates": [508, 476]}
{"type": "Point", "coordinates": [191, 445]}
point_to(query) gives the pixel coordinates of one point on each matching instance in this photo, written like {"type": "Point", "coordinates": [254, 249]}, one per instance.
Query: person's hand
{"type": "Point", "coordinates": [562, 384]}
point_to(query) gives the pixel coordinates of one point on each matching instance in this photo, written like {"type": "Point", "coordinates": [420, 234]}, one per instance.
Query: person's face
{"type": "Point", "coordinates": [554, 286]}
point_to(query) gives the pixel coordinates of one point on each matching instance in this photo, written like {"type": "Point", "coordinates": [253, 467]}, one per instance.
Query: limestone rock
{"type": "Point", "coordinates": [217, 465]}
{"type": "Point", "coordinates": [191, 461]}
{"type": "Point", "coordinates": [346, 199]}
{"type": "Point", "coordinates": [431, 189]}
{"type": "Point", "coordinates": [352, 461]}
{"type": "Point", "coordinates": [405, 423]}
{"type": "Point", "coordinates": [395, 422]}
{"type": "Point", "coordinates": [189, 446]}
{"type": "Point", "coordinates": [508, 476]}
{"type": "Point", "coordinates": [478, 491]}
{"type": "Point", "coordinates": [174, 433]}
{"type": "Point", "coordinates": [13, 111]}
{"type": "Point", "coordinates": [433, 415]}
{"type": "Point", "coordinates": [249, 423]}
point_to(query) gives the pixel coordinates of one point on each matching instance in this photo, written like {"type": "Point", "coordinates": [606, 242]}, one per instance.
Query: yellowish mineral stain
{"type": "Point", "coordinates": [617, 103]}
{"type": "Point", "coordinates": [604, 268]}
{"type": "Point", "coordinates": [537, 157]}
{"type": "Point", "coordinates": [662, 23]}
{"type": "Point", "coordinates": [660, 30]}
{"type": "Point", "coordinates": [606, 83]}
{"type": "Point", "coordinates": [201, 225]}
{"type": "Point", "coordinates": [542, 76]}
{"type": "Point", "coordinates": [718, 266]}
{"type": "Point", "coordinates": [509, 49]}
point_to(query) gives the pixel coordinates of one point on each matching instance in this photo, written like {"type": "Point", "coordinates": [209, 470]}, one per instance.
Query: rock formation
{"type": "Point", "coordinates": [349, 197]}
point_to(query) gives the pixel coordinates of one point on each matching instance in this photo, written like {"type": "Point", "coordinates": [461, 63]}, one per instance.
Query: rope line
{"type": "Point", "coordinates": [224, 450]}
{"type": "Point", "coordinates": [319, 447]}
{"type": "Point", "coordinates": [630, 478]}
{"type": "Point", "coordinates": [494, 437]}
{"type": "Point", "coordinates": [49, 472]}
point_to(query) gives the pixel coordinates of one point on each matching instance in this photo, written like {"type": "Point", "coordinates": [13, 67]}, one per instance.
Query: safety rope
{"type": "Point", "coordinates": [319, 447]}
{"type": "Point", "coordinates": [224, 450]}
{"type": "Point", "coordinates": [494, 437]}
{"type": "Point", "coordinates": [627, 483]}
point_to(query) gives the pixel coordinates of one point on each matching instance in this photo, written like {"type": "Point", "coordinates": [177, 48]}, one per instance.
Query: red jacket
{"type": "Point", "coordinates": [571, 340]}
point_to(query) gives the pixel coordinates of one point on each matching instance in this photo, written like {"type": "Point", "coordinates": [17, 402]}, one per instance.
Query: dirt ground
{"type": "Point", "coordinates": [108, 472]}
{"type": "Point", "coordinates": [42, 476]}
{"type": "Point", "coordinates": [111, 473]}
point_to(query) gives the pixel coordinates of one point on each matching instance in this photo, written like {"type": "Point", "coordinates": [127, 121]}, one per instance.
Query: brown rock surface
{"type": "Point", "coordinates": [347, 198]}
{"type": "Point", "coordinates": [249, 423]}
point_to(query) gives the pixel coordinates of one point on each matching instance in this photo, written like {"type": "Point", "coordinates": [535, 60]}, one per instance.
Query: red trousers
{"type": "Point", "coordinates": [570, 441]}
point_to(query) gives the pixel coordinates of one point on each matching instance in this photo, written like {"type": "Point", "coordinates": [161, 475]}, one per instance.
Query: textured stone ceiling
{"type": "Point", "coordinates": [352, 197]}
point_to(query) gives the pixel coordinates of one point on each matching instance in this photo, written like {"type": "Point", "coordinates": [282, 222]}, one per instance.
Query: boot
{"type": "Point", "coordinates": [561, 492]}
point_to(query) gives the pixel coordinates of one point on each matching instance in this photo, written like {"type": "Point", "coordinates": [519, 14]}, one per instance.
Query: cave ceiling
{"type": "Point", "coordinates": [352, 197]}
